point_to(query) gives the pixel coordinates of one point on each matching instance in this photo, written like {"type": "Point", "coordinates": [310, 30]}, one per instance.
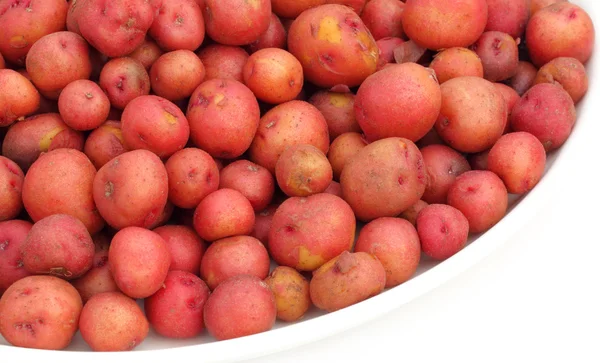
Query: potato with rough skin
{"type": "Point", "coordinates": [307, 232]}
{"type": "Point", "coordinates": [456, 62]}
{"type": "Point", "coordinates": [236, 22]}
{"type": "Point", "coordinates": [443, 231]}
{"type": "Point", "coordinates": [274, 37]}
{"type": "Point", "coordinates": [18, 97]}
{"type": "Point", "coordinates": [185, 247]}
{"type": "Point", "coordinates": [342, 149]}
{"type": "Point", "coordinates": [407, 109]}
{"type": "Point", "coordinates": [83, 105]}
{"type": "Point", "coordinates": [12, 236]}
{"type": "Point", "coordinates": [147, 53]}
{"type": "Point", "coordinates": [443, 165]}
{"type": "Point", "coordinates": [262, 223]}
{"type": "Point", "coordinates": [131, 189]}
{"type": "Point", "coordinates": [524, 78]}
{"type": "Point", "coordinates": [175, 75]}
{"type": "Point", "coordinates": [223, 61]}
{"type": "Point", "coordinates": [338, 110]}
{"type": "Point", "coordinates": [383, 18]}
{"type": "Point", "coordinates": [567, 72]}
{"type": "Point", "coordinates": [347, 280]}
{"type": "Point", "coordinates": [508, 16]}
{"type": "Point", "coordinates": [384, 178]}
{"type": "Point", "coordinates": [60, 182]}
{"type": "Point", "coordinates": [40, 312]}
{"type": "Point", "coordinates": [499, 55]}
{"type": "Point", "coordinates": [104, 143]}
{"type": "Point", "coordinates": [250, 179]}
{"type": "Point", "coordinates": [117, 313]}
{"type": "Point", "coordinates": [413, 211]}
{"type": "Point", "coordinates": [291, 291]}
{"type": "Point", "coordinates": [123, 79]}
{"type": "Point", "coordinates": [303, 170]}
{"type": "Point", "coordinates": [11, 186]}
{"type": "Point", "coordinates": [292, 8]}
{"type": "Point", "coordinates": [177, 310]}
{"type": "Point", "coordinates": [179, 25]}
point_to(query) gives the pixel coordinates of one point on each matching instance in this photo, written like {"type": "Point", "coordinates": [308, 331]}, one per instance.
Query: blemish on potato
{"type": "Point", "coordinates": [18, 41]}
{"type": "Point", "coordinates": [329, 30]}
{"type": "Point", "coordinates": [308, 261]}
{"type": "Point", "coordinates": [171, 119]}
{"type": "Point", "coordinates": [46, 141]}
{"type": "Point", "coordinates": [109, 189]}
{"type": "Point", "coordinates": [4, 245]}
{"type": "Point", "coordinates": [339, 100]}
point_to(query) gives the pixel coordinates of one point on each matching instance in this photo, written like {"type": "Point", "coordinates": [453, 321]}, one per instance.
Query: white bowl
{"type": "Point", "coordinates": [316, 325]}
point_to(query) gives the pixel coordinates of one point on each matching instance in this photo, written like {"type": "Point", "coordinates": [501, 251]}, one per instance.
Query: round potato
{"type": "Point", "coordinates": [456, 62]}
{"type": "Point", "coordinates": [223, 61]}
{"type": "Point", "coordinates": [250, 179]}
{"type": "Point", "coordinates": [18, 97]}
{"type": "Point", "coordinates": [303, 170]}
{"type": "Point", "coordinates": [443, 231]}
{"type": "Point", "coordinates": [291, 291]}
{"type": "Point", "coordinates": [105, 143]}
{"type": "Point", "coordinates": [179, 25]}
{"type": "Point", "coordinates": [175, 75]}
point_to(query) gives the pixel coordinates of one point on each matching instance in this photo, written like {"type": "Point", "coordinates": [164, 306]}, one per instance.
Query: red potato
{"type": "Point", "coordinates": [338, 110]}
{"type": "Point", "coordinates": [456, 62]}
{"type": "Point", "coordinates": [223, 116]}
{"type": "Point", "coordinates": [26, 140]}
{"type": "Point", "coordinates": [60, 182]}
{"type": "Point", "coordinates": [333, 46]}
{"type": "Point", "coordinates": [443, 231]}
{"type": "Point", "coordinates": [546, 111]}
{"type": "Point", "coordinates": [508, 16]}
{"type": "Point", "coordinates": [83, 105]}
{"type": "Point", "coordinates": [387, 46]}
{"type": "Point", "coordinates": [178, 25]}
{"type": "Point", "coordinates": [274, 75]}
{"type": "Point", "coordinates": [12, 237]}
{"type": "Point", "coordinates": [223, 61]}
{"type": "Point", "coordinates": [384, 178]}
{"type": "Point", "coordinates": [105, 143]}
{"type": "Point", "coordinates": [274, 37]}
{"type": "Point", "coordinates": [147, 53]}
{"type": "Point", "coordinates": [58, 245]}
{"type": "Point", "coordinates": [40, 312]}
{"type": "Point", "coordinates": [560, 30]}
{"type": "Point", "coordinates": [347, 280]}
{"type": "Point", "coordinates": [292, 8]}
{"type": "Point", "coordinates": [395, 243]}
{"type": "Point", "coordinates": [383, 18]}
{"type": "Point", "coordinates": [536, 5]}
{"type": "Point", "coordinates": [413, 211]}
{"type": "Point", "coordinates": [511, 97]}
{"type": "Point", "coordinates": [407, 109]}
{"type": "Point", "coordinates": [116, 313]}
{"type": "Point", "coordinates": [478, 161]}
{"type": "Point", "coordinates": [11, 186]}
{"type": "Point", "coordinates": [175, 75]}
{"type": "Point", "coordinates": [567, 72]}
{"type": "Point", "coordinates": [131, 190]}
{"type": "Point", "coordinates": [499, 55]}
{"type": "Point", "coordinates": [223, 213]}
{"type": "Point", "coordinates": [164, 216]}
{"type": "Point", "coordinates": [185, 247]}
{"type": "Point", "coordinates": [481, 197]}
{"type": "Point", "coordinates": [334, 188]}
{"type": "Point", "coordinates": [307, 232]}
{"type": "Point", "coordinates": [303, 170]}
{"type": "Point", "coordinates": [139, 260]}
{"type": "Point", "coordinates": [262, 223]}
{"type": "Point", "coordinates": [24, 22]}
{"type": "Point", "coordinates": [473, 114]}
{"type": "Point", "coordinates": [18, 97]}
{"type": "Point", "coordinates": [241, 306]}
{"type": "Point", "coordinates": [114, 28]}
{"type": "Point", "coordinates": [519, 159]}
{"type": "Point", "coordinates": [177, 310]}
{"type": "Point", "coordinates": [443, 165]}
{"type": "Point", "coordinates": [441, 24]}
{"type": "Point", "coordinates": [291, 291]}
{"type": "Point", "coordinates": [193, 174]}
{"type": "Point", "coordinates": [236, 22]}
{"type": "Point", "coordinates": [250, 179]}
{"type": "Point", "coordinates": [123, 79]}
{"type": "Point", "coordinates": [342, 149]}
{"type": "Point", "coordinates": [524, 78]}
{"type": "Point", "coordinates": [290, 123]}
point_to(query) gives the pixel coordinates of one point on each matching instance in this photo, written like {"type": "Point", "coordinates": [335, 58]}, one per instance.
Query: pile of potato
{"type": "Point", "coordinates": [170, 151]}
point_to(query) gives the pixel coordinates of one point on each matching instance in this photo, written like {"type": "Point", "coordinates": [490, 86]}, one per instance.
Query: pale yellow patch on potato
{"type": "Point", "coordinates": [172, 120]}
{"type": "Point", "coordinates": [47, 139]}
{"type": "Point", "coordinates": [308, 261]}
{"type": "Point", "coordinates": [329, 30]}
{"type": "Point", "coordinates": [115, 131]}
{"type": "Point", "coordinates": [339, 100]}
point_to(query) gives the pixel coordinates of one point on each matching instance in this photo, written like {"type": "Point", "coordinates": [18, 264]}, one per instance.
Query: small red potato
{"type": "Point", "coordinates": [236, 22]}
{"type": "Point", "coordinates": [443, 165]}
{"type": "Point", "coordinates": [473, 114]}
{"type": "Point", "coordinates": [40, 312]}
{"type": "Point", "coordinates": [185, 247]}
{"type": "Point", "coordinates": [241, 306]}
{"type": "Point", "coordinates": [303, 170]}
{"type": "Point", "coordinates": [223, 213]}
{"type": "Point", "coordinates": [192, 174]}
{"type": "Point", "coordinates": [384, 178]}
{"type": "Point", "coordinates": [499, 55]}
{"type": "Point", "coordinates": [175, 75]}
{"type": "Point", "coordinates": [546, 111]}
{"type": "Point", "coordinates": [347, 280]}
{"type": "Point", "coordinates": [274, 75]}
{"type": "Point", "coordinates": [441, 24]}
{"type": "Point", "coordinates": [456, 62]}
{"type": "Point", "coordinates": [508, 16]}
{"type": "Point", "coordinates": [413, 211]}
{"type": "Point", "coordinates": [123, 79]}
{"type": "Point", "coordinates": [223, 117]}
{"type": "Point", "coordinates": [342, 149]}
{"type": "Point", "coordinates": [83, 105]}
{"type": "Point", "coordinates": [387, 47]}
{"type": "Point", "coordinates": [232, 256]}
{"type": "Point", "coordinates": [131, 190]}
{"type": "Point", "coordinates": [223, 61]}
{"type": "Point", "coordinates": [511, 97]}
{"type": "Point", "coordinates": [519, 159]}
{"type": "Point", "coordinates": [481, 197]}
{"type": "Point", "coordinates": [274, 37]}
{"type": "Point", "coordinates": [333, 46]}
{"type": "Point", "coordinates": [104, 143]}
{"type": "Point", "coordinates": [292, 8]}
{"type": "Point", "coordinates": [567, 72]}
{"type": "Point", "coordinates": [560, 30]}
{"type": "Point", "coordinates": [147, 53]}
{"type": "Point", "coordinates": [307, 232]}
{"type": "Point", "coordinates": [383, 18]}
{"type": "Point", "coordinates": [179, 25]}
{"type": "Point", "coordinates": [407, 109]}
{"type": "Point", "coordinates": [252, 180]}
{"type": "Point", "coordinates": [18, 97]}
{"type": "Point", "coordinates": [61, 182]}
{"type": "Point", "coordinates": [395, 243]}
{"type": "Point", "coordinates": [262, 223]}
{"type": "Point", "coordinates": [12, 237]}
{"type": "Point", "coordinates": [536, 5]}
{"type": "Point", "coordinates": [139, 260]}
{"type": "Point", "coordinates": [524, 78]}
{"type": "Point", "coordinates": [177, 309]}
{"type": "Point", "coordinates": [443, 231]}
{"type": "Point", "coordinates": [11, 186]}
{"type": "Point", "coordinates": [291, 291]}
{"type": "Point", "coordinates": [338, 110]}
{"type": "Point", "coordinates": [117, 27]}
{"type": "Point", "coordinates": [115, 313]}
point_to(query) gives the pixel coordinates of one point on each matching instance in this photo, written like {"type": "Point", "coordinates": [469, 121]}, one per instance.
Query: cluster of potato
{"type": "Point", "coordinates": [170, 151]}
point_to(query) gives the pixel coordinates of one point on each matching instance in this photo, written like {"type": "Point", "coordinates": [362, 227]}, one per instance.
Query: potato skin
{"type": "Point", "coordinates": [342, 149]}
{"type": "Point", "coordinates": [123, 79]}
{"type": "Point", "coordinates": [499, 55]}
{"type": "Point", "coordinates": [105, 143]}
{"type": "Point", "coordinates": [12, 234]}
{"type": "Point", "coordinates": [443, 231]}
{"type": "Point", "coordinates": [262, 224]}
{"type": "Point", "coordinates": [303, 170]}
{"type": "Point", "coordinates": [185, 247]}
{"type": "Point", "coordinates": [567, 72]}
{"type": "Point", "coordinates": [11, 186]}
{"type": "Point", "coordinates": [524, 78]}
{"type": "Point", "coordinates": [443, 165]}
{"type": "Point", "coordinates": [346, 280]}
{"type": "Point", "coordinates": [223, 61]}
{"type": "Point", "coordinates": [338, 110]}
{"type": "Point", "coordinates": [18, 97]}
{"type": "Point", "coordinates": [292, 8]}
{"type": "Point", "coordinates": [508, 16]}
{"type": "Point", "coordinates": [250, 179]}
{"type": "Point", "coordinates": [456, 62]}
{"type": "Point", "coordinates": [83, 106]}
{"type": "Point", "coordinates": [413, 211]}
{"type": "Point", "coordinates": [236, 22]}
{"type": "Point", "coordinates": [291, 291]}
{"type": "Point", "coordinates": [536, 5]}
{"type": "Point", "coordinates": [175, 75]}
{"type": "Point", "coordinates": [147, 53]}
{"type": "Point", "coordinates": [40, 312]}
{"type": "Point", "coordinates": [274, 37]}
{"type": "Point", "coordinates": [383, 18]}
{"type": "Point", "coordinates": [179, 25]}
